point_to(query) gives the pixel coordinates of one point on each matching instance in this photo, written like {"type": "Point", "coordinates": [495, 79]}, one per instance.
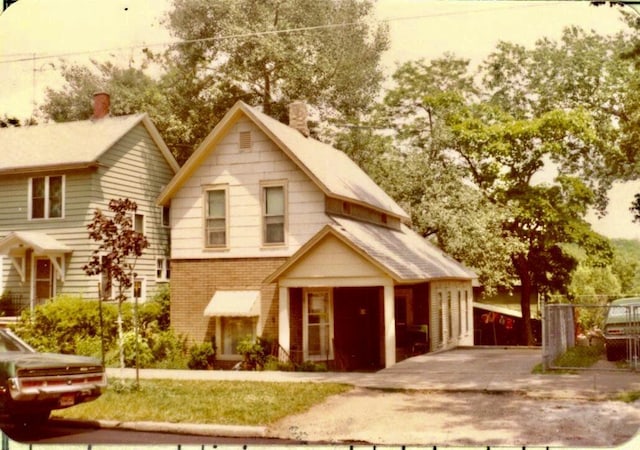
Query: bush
{"type": "Point", "coordinates": [254, 353]}
{"type": "Point", "coordinates": [201, 356]}
{"type": "Point", "coordinates": [68, 324]}
{"type": "Point", "coordinates": [59, 324]}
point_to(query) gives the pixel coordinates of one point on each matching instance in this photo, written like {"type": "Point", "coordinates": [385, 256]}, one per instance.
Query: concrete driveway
{"type": "Point", "coordinates": [444, 399]}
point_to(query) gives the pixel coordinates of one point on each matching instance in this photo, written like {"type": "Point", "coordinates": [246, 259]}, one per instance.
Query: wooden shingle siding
{"type": "Point", "coordinates": [243, 171]}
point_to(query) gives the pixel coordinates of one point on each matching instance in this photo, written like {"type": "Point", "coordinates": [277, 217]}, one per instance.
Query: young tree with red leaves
{"type": "Point", "coordinates": [118, 252]}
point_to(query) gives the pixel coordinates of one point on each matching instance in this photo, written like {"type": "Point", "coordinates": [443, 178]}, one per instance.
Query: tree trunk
{"type": "Point", "coordinates": [522, 267]}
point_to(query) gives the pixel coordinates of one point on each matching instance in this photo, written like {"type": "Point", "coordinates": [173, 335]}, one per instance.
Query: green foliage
{"type": "Point", "coordinates": [201, 356]}
{"type": "Point", "coordinates": [141, 350]}
{"type": "Point", "coordinates": [60, 323]}
{"type": "Point", "coordinates": [580, 356]}
{"type": "Point", "coordinates": [333, 67]}
{"type": "Point", "coordinates": [68, 324]}
{"type": "Point", "coordinates": [254, 353]}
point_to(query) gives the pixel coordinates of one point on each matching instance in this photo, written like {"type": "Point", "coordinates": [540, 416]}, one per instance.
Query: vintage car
{"type": "Point", "coordinates": [32, 384]}
{"type": "Point", "coordinates": [622, 328]}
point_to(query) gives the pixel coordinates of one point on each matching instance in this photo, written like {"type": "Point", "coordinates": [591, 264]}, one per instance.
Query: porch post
{"type": "Point", "coordinates": [283, 322]}
{"type": "Point", "coordinates": [389, 326]}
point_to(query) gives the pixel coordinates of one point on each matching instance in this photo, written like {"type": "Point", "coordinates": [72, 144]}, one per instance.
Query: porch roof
{"type": "Point", "coordinates": [233, 304]}
{"type": "Point", "coordinates": [41, 243]}
{"type": "Point", "coordinates": [403, 254]}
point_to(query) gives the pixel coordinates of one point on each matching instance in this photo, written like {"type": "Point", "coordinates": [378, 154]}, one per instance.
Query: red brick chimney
{"type": "Point", "coordinates": [298, 117]}
{"type": "Point", "coordinates": [101, 104]}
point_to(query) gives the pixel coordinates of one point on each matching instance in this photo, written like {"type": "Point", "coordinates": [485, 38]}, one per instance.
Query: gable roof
{"type": "Point", "coordinates": [69, 145]}
{"type": "Point", "coordinates": [402, 254]}
{"type": "Point", "coordinates": [332, 170]}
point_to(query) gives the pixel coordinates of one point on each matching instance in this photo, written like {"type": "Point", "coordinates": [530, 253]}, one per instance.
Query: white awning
{"type": "Point", "coordinates": [498, 309]}
{"type": "Point", "coordinates": [234, 304]}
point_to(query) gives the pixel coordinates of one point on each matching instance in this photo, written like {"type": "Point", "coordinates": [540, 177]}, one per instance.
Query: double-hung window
{"type": "Point", "coordinates": [46, 197]}
{"type": "Point", "coordinates": [274, 214]}
{"type": "Point", "coordinates": [216, 218]}
{"type": "Point", "coordinates": [163, 269]}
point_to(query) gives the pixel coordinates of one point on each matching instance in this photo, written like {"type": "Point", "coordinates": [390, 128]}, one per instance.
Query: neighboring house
{"type": "Point", "coordinates": [275, 234]}
{"type": "Point", "coordinates": [53, 177]}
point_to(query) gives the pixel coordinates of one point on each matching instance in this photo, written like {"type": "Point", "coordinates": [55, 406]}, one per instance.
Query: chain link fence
{"type": "Point", "coordinates": [608, 333]}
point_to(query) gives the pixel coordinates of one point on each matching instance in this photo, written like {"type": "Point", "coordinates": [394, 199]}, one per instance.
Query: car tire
{"type": "Point", "coordinates": [33, 419]}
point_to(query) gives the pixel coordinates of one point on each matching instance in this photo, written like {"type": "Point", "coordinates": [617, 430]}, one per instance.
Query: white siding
{"type": "Point", "coordinates": [243, 171]}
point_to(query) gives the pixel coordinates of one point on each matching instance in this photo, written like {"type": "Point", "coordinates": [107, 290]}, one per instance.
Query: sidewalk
{"type": "Point", "coordinates": [476, 370]}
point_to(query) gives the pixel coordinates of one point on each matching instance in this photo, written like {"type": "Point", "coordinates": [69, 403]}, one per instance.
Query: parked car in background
{"type": "Point", "coordinates": [32, 384]}
{"type": "Point", "coordinates": [622, 328]}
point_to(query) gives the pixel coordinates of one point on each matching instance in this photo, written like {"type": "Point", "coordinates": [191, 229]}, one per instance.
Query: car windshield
{"type": "Point", "coordinates": [624, 311]}
{"type": "Point", "coordinates": [11, 343]}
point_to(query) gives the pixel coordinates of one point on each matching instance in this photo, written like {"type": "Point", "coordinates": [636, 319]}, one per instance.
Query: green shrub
{"type": "Point", "coordinates": [89, 347]}
{"type": "Point", "coordinates": [311, 366]}
{"type": "Point", "coordinates": [254, 353]}
{"type": "Point", "coordinates": [60, 323]}
{"type": "Point", "coordinates": [68, 324]}
{"type": "Point", "coordinates": [145, 357]}
{"type": "Point", "coordinates": [201, 356]}
{"type": "Point", "coordinates": [273, 363]}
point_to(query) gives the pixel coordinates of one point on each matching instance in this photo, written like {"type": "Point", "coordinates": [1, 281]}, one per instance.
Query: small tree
{"type": "Point", "coordinates": [116, 256]}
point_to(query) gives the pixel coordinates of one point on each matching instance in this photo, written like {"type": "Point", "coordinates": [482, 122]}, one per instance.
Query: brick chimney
{"type": "Point", "coordinates": [298, 117]}
{"type": "Point", "coordinates": [101, 104]}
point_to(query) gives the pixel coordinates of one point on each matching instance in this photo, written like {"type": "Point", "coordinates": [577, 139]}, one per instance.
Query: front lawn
{"type": "Point", "coordinates": [212, 402]}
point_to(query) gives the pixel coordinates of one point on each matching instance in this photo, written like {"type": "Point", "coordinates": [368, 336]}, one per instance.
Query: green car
{"type": "Point", "coordinates": [622, 328]}
{"type": "Point", "coordinates": [32, 384]}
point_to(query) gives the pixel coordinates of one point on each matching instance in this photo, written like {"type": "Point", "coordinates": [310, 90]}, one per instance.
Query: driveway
{"type": "Point", "coordinates": [473, 396]}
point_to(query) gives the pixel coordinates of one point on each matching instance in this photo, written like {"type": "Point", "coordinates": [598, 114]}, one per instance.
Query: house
{"type": "Point", "coordinates": [53, 177]}
{"type": "Point", "coordinates": [275, 234]}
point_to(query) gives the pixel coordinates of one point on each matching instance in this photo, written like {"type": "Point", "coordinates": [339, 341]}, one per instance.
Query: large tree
{"type": "Point", "coordinates": [267, 53]}
{"type": "Point", "coordinates": [494, 139]}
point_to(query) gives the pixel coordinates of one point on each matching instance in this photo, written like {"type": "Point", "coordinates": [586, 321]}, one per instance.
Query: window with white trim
{"type": "Point", "coordinates": [274, 214]}
{"type": "Point", "coordinates": [46, 197]}
{"type": "Point", "coordinates": [318, 324]}
{"type": "Point", "coordinates": [139, 288]}
{"type": "Point", "coordinates": [234, 330]}
{"type": "Point", "coordinates": [216, 218]}
{"type": "Point", "coordinates": [163, 269]}
{"type": "Point", "coordinates": [138, 223]}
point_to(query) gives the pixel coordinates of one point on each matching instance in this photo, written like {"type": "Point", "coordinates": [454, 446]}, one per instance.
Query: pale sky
{"type": "Point", "coordinates": [36, 34]}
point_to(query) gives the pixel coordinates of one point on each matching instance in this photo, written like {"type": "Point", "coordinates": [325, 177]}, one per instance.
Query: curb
{"type": "Point", "coordinates": [217, 430]}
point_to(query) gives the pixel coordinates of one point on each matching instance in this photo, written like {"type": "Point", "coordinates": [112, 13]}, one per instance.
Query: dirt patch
{"type": "Point", "coordinates": [465, 419]}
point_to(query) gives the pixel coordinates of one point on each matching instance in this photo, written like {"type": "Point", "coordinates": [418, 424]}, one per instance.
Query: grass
{"type": "Point", "coordinates": [580, 356]}
{"type": "Point", "coordinates": [574, 357]}
{"type": "Point", "coordinates": [629, 397]}
{"type": "Point", "coordinates": [219, 402]}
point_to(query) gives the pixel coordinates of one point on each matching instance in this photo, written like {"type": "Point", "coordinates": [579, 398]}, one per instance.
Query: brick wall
{"type": "Point", "coordinates": [193, 283]}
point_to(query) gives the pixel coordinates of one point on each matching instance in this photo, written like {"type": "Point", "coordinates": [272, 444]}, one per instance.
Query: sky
{"type": "Point", "coordinates": [37, 35]}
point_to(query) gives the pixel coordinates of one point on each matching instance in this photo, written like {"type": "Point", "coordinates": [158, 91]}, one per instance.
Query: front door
{"type": "Point", "coordinates": [44, 280]}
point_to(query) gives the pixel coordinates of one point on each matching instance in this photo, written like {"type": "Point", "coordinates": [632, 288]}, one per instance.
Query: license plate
{"type": "Point", "coordinates": [67, 400]}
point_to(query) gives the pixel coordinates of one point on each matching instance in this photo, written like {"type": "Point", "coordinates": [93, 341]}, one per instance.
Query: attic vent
{"type": "Point", "coordinates": [245, 140]}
